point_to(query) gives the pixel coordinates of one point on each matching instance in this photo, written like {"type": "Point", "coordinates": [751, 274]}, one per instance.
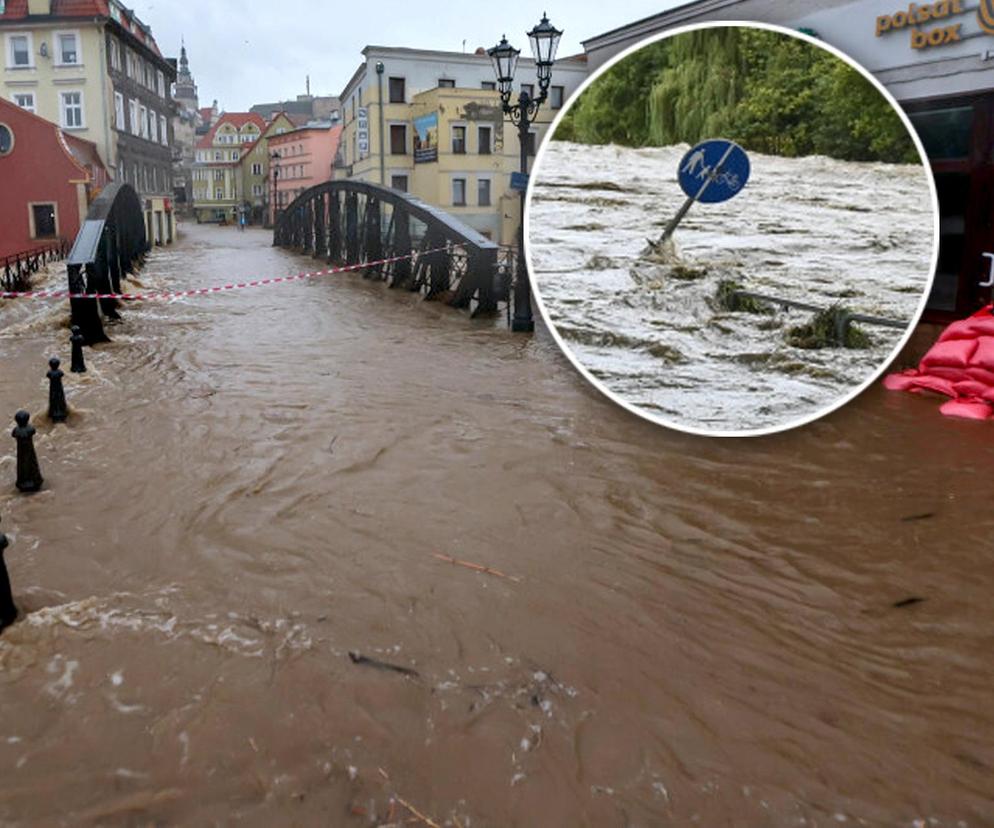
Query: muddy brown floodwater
{"type": "Point", "coordinates": [699, 630]}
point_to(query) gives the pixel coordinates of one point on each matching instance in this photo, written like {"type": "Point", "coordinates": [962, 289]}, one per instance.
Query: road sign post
{"type": "Point", "coordinates": [712, 172]}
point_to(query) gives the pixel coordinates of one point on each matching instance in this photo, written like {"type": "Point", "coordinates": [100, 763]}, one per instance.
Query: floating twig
{"type": "Point", "coordinates": [427, 820]}
{"type": "Point", "coordinates": [358, 658]}
{"type": "Point", "coordinates": [477, 567]}
{"type": "Point", "coordinates": [907, 602]}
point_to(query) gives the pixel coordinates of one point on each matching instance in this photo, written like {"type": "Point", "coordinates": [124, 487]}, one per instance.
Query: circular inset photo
{"type": "Point", "coordinates": [732, 229]}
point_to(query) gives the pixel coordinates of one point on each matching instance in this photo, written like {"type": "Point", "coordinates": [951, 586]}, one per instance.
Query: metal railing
{"type": "Point", "coordinates": [18, 267]}
{"type": "Point", "coordinates": [110, 244]}
{"type": "Point", "coordinates": [354, 222]}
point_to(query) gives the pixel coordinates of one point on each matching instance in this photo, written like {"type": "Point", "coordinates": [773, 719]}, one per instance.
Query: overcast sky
{"type": "Point", "coordinates": [244, 52]}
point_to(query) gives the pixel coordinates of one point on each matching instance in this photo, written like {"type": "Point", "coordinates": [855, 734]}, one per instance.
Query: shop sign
{"type": "Point", "coordinates": [919, 17]}
{"type": "Point", "coordinates": [362, 132]}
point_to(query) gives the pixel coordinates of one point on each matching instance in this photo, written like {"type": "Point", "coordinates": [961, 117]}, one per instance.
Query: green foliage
{"type": "Point", "coordinates": [729, 297]}
{"type": "Point", "coordinates": [771, 93]}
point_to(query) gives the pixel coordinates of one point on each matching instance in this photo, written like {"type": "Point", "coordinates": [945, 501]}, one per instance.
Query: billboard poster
{"type": "Point", "coordinates": [426, 138]}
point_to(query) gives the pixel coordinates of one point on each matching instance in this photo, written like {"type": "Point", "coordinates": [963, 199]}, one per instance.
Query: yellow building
{"type": "Point", "coordinates": [255, 171]}
{"type": "Point", "coordinates": [444, 137]}
{"type": "Point", "coordinates": [94, 69]}
{"type": "Point", "coordinates": [217, 172]}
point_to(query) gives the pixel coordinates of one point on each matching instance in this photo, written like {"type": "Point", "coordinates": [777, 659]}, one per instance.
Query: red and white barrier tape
{"type": "Point", "coordinates": [178, 294]}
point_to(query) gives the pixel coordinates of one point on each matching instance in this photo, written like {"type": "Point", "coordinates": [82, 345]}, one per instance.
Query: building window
{"type": "Point", "coordinates": [114, 48]}
{"type": "Point", "coordinates": [556, 97]}
{"type": "Point", "coordinates": [161, 79]}
{"type": "Point", "coordinates": [446, 83]}
{"type": "Point", "coordinates": [257, 189]}
{"type": "Point", "coordinates": [143, 121]}
{"type": "Point", "coordinates": [397, 94]}
{"type": "Point", "coordinates": [219, 175]}
{"type": "Point", "coordinates": [458, 140]}
{"type": "Point", "coordinates": [163, 131]}
{"type": "Point", "coordinates": [399, 182]}
{"type": "Point", "coordinates": [217, 155]}
{"type": "Point", "coordinates": [119, 111]}
{"type": "Point", "coordinates": [234, 155]}
{"type": "Point", "coordinates": [153, 127]}
{"type": "Point", "coordinates": [133, 114]}
{"type": "Point", "coordinates": [528, 89]}
{"type": "Point", "coordinates": [6, 140]}
{"type": "Point", "coordinates": [458, 192]}
{"type": "Point", "coordinates": [483, 192]}
{"type": "Point", "coordinates": [491, 85]}
{"type": "Point", "coordinates": [72, 109]}
{"type": "Point", "coordinates": [25, 100]}
{"type": "Point", "coordinates": [398, 139]}
{"type": "Point", "coordinates": [483, 139]}
{"type": "Point", "coordinates": [218, 194]}
{"type": "Point", "coordinates": [19, 52]}
{"type": "Point", "coordinates": [67, 45]}
{"type": "Point", "coordinates": [257, 169]}
{"type": "Point", "coordinates": [44, 223]}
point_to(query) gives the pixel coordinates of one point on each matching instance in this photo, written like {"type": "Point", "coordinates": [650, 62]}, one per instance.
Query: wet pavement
{"type": "Point", "coordinates": [683, 631]}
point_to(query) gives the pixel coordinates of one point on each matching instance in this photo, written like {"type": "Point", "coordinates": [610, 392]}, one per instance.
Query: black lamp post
{"type": "Point", "coordinates": [274, 163]}
{"type": "Point", "coordinates": [544, 39]}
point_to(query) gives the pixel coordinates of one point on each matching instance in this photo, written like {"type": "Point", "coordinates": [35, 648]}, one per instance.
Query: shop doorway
{"type": "Point", "coordinates": [958, 135]}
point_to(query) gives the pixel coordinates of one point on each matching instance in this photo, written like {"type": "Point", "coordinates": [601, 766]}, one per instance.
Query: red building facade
{"type": "Point", "coordinates": [46, 180]}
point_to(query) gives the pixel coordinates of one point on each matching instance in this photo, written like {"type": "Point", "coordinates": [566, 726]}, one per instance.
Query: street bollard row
{"type": "Point", "coordinates": [29, 477]}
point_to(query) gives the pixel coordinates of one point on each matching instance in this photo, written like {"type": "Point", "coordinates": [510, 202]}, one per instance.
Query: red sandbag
{"type": "Point", "coordinates": [960, 365]}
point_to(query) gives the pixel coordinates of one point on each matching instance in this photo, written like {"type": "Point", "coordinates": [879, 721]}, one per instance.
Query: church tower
{"type": "Point", "coordinates": [186, 89]}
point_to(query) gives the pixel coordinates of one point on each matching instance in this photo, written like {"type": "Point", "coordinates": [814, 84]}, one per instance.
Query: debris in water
{"type": "Point", "coordinates": [358, 658]}
{"type": "Point", "coordinates": [907, 602]}
{"type": "Point", "coordinates": [728, 297]}
{"type": "Point", "coordinates": [922, 516]}
{"type": "Point", "coordinates": [476, 567]}
{"type": "Point", "coordinates": [829, 328]}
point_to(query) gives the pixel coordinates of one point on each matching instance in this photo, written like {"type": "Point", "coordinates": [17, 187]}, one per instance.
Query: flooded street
{"type": "Point", "coordinates": [255, 484]}
{"type": "Point", "coordinates": [812, 230]}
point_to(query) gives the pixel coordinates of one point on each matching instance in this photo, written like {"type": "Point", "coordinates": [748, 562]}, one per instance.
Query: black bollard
{"type": "Point", "coordinates": [8, 612]}
{"type": "Point", "coordinates": [29, 477]}
{"type": "Point", "coordinates": [58, 410]}
{"type": "Point", "coordinates": [77, 339]}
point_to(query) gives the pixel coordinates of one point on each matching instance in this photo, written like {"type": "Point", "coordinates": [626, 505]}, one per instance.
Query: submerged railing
{"type": "Point", "coordinates": [18, 267]}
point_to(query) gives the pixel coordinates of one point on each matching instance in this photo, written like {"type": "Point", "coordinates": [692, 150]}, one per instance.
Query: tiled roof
{"type": "Point", "coordinates": [236, 119]}
{"type": "Point", "coordinates": [18, 10]}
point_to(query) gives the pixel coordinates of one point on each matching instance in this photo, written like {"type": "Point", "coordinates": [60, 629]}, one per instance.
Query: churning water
{"type": "Point", "coordinates": [814, 230]}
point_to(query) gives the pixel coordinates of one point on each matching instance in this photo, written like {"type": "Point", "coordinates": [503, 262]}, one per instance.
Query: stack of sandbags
{"type": "Point", "coordinates": [959, 365]}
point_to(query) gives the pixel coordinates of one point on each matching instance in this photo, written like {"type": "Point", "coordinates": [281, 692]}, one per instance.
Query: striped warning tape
{"type": "Point", "coordinates": [179, 294]}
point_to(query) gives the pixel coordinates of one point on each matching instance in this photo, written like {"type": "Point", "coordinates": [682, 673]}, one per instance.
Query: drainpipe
{"type": "Point", "coordinates": [379, 100]}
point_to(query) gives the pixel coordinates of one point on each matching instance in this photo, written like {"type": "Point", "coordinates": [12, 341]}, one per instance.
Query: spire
{"type": "Point", "coordinates": [308, 85]}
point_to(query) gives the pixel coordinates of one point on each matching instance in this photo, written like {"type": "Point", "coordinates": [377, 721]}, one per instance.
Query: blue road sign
{"type": "Point", "coordinates": [714, 171]}
{"type": "Point", "coordinates": [519, 181]}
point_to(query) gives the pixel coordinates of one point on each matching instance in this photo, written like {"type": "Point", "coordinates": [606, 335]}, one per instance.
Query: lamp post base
{"type": "Point", "coordinates": [522, 325]}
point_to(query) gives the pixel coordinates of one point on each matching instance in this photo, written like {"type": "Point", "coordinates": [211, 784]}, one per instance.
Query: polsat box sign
{"type": "Point", "coordinates": [932, 24]}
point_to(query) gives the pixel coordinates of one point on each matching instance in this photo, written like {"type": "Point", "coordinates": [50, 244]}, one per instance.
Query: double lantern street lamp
{"type": "Point", "coordinates": [544, 39]}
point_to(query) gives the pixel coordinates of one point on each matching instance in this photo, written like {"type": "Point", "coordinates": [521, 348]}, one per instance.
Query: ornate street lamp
{"type": "Point", "coordinates": [544, 39]}
{"type": "Point", "coordinates": [274, 159]}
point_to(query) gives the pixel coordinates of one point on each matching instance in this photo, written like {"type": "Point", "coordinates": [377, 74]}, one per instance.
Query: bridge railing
{"type": "Point", "coordinates": [111, 243]}
{"type": "Point", "coordinates": [357, 222]}
{"type": "Point", "coordinates": [16, 269]}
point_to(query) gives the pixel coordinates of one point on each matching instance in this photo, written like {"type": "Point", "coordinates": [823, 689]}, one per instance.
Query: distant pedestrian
{"type": "Point", "coordinates": [241, 221]}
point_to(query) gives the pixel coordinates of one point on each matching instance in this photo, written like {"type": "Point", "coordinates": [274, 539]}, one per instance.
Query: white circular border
{"type": "Point", "coordinates": [789, 424]}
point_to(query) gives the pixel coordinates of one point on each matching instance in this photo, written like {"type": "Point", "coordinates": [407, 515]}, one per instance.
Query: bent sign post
{"type": "Point", "coordinates": [712, 172]}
